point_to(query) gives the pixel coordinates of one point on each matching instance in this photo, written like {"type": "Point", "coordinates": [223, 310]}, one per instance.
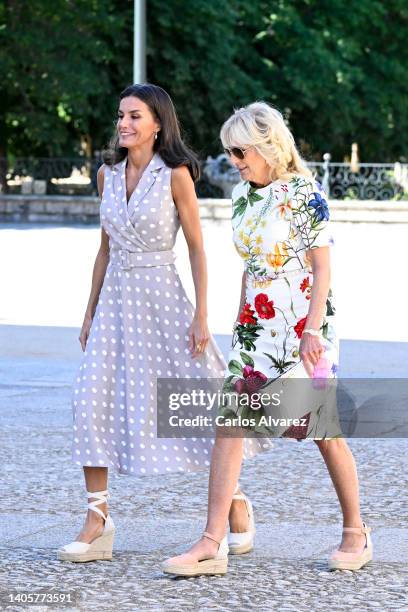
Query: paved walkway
{"type": "Point", "coordinates": [53, 266]}
{"type": "Point", "coordinates": [298, 519]}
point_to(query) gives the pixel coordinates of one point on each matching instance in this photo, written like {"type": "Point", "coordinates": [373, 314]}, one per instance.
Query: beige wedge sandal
{"type": "Point", "coordinates": [98, 549]}
{"type": "Point", "coordinates": [187, 565]}
{"type": "Point", "coordinates": [353, 561]}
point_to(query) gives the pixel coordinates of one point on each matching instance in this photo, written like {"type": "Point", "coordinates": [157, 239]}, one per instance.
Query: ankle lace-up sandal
{"type": "Point", "coordinates": [100, 547]}
{"type": "Point", "coordinates": [240, 543]}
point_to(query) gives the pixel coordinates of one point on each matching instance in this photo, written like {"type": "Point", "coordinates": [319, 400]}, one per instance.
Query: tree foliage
{"type": "Point", "coordinates": [62, 62]}
{"type": "Point", "coordinates": [338, 70]}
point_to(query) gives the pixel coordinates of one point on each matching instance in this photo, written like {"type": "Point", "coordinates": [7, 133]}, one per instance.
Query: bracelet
{"type": "Point", "coordinates": [312, 332]}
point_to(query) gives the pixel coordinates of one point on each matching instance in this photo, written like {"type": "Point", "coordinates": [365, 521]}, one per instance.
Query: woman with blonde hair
{"type": "Point", "coordinates": [285, 324]}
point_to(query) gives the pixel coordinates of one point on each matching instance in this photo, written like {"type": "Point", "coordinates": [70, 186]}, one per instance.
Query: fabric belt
{"type": "Point", "coordinates": [127, 259]}
{"type": "Point", "coordinates": [259, 280]}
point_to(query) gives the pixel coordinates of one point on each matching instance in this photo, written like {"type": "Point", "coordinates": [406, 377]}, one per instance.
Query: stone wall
{"type": "Point", "coordinates": [36, 208]}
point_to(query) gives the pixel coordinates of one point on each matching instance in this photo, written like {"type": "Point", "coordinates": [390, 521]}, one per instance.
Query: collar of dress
{"type": "Point", "coordinates": [154, 165]}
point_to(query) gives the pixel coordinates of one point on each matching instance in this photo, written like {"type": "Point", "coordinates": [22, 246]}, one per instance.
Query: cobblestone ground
{"type": "Point", "coordinates": [43, 501]}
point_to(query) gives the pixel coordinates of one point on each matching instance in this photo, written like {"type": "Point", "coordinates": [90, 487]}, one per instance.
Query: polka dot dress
{"type": "Point", "coordinates": [139, 332]}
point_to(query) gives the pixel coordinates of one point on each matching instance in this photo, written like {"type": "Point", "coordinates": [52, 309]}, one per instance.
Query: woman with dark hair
{"type": "Point", "coordinates": [139, 323]}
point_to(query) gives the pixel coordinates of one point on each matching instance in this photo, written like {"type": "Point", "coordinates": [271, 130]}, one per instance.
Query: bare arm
{"type": "Point", "coordinates": [185, 199]}
{"type": "Point", "coordinates": [310, 346]}
{"type": "Point", "coordinates": [320, 259]}
{"type": "Point", "coordinates": [98, 274]}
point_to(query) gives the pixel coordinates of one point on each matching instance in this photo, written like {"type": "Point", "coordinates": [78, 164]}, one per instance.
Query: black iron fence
{"type": "Point", "coordinates": [357, 181]}
{"type": "Point", "coordinates": [77, 176]}
{"type": "Point", "coordinates": [53, 176]}
{"type": "Point", "coordinates": [363, 181]}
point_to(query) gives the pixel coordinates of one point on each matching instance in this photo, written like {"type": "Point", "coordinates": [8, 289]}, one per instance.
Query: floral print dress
{"type": "Point", "coordinates": [273, 229]}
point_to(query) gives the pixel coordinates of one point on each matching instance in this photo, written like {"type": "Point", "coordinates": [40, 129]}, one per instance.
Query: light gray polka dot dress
{"type": "Point", "coordinates": [139, 332]}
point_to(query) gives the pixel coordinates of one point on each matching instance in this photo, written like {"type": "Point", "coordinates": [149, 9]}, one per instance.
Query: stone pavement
{"type": "Point", "coordinates": [42, 506]}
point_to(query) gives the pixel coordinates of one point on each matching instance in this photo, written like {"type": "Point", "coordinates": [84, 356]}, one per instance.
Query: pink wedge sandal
{"type": "Point", "coordinates": [187, 565]}
{"type": "Point", "coordinates": [353, 561]}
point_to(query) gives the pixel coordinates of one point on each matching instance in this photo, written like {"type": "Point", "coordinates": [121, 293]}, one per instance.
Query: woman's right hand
{"type": "Point", "coordinates": [85, 329]}
{"type": "Point", "coordinates": [310, 351]}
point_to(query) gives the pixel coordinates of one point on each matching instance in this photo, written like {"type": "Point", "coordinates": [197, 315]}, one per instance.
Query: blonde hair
{"type": "Point", "coordinates": [263, 127]}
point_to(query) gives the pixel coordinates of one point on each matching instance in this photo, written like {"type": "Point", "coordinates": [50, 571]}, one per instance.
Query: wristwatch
{"type": "Point", "coordinates": [312, 332]}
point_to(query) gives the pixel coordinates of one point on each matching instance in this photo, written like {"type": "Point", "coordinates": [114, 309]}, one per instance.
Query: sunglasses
{"type": "Point", "coordinates": [236, 152]}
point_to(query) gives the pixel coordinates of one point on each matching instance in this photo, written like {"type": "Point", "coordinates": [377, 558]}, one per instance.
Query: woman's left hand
{"type": "Point", "coordinates": [310, 351]}
{"type": "Point", "coordinates": [199, 336]}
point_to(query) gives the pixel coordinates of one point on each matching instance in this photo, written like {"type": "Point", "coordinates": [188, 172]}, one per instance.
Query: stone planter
{"type": "Point", "coordinates": [40, 187]}
{"type": "Point", "coordinates": [27, 187]}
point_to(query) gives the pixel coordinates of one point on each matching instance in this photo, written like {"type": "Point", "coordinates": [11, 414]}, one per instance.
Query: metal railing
{"type": "Point", "coordinates": [53, 176]}
{"type": "Point", "coordinates": [358, 181]}
{"type": "Point", "coordinates": [77, 176]}
{"type": "Point", "coordinates": [362, 181]}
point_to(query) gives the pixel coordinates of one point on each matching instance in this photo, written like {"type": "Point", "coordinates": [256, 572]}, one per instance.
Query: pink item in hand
{"type": "Point", "coordinates": [321, 373]}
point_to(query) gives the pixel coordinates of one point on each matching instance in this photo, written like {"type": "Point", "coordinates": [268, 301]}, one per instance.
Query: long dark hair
{"type": "Point", "coordinates": [169, 144]}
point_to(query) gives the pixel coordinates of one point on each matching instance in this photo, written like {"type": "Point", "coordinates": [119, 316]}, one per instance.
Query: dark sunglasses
{"type": "Point", "coordinates": [236, 152]}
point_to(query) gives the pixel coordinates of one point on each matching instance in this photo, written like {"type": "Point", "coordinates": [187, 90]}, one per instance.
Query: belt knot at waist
{"type": "Point", "coordinates": [266, 280]}
{"type": "Point", "coordinates": [128, 259]}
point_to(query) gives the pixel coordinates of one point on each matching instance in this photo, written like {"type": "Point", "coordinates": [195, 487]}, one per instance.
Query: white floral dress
{"type": "Point", "coordinates": [273, 228]}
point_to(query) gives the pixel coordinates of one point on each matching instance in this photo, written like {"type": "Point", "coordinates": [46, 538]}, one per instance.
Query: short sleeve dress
{"type": "Point", "coordinates": [274, 227]}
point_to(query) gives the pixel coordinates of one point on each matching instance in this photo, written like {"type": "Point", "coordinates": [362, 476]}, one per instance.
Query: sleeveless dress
{"type": "Point", "coordinates": [273, 228]}
{"type": "Point", "coordinates": [139, 332]}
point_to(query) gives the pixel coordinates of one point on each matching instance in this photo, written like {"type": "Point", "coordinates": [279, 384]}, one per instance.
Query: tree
{"type": "Point", "coordinates": [62, 65]}
{"type": "Point", "coordinates": [192, 52]}
{"type": "Point", "coordinates": [338, 70]}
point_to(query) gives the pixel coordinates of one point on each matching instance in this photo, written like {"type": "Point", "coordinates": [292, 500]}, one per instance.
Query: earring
{"type": "Point", "coordinates": [155, 135]}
